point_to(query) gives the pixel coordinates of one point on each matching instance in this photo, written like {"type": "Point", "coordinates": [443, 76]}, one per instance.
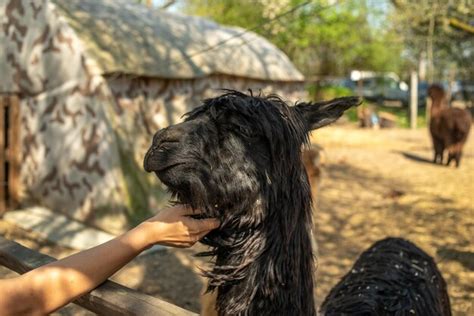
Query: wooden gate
{"type": "Point", "coordinates": [9, 151]}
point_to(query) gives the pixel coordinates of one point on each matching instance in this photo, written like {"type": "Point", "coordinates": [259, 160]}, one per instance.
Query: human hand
{"type": "Point", "coordinates": [174, 227]}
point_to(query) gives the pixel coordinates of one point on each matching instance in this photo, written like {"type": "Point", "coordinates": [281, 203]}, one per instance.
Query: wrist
{"type": "Point", "coordinates": [151, 230]}
{"type": "Point", "coordinates": [141, 237]}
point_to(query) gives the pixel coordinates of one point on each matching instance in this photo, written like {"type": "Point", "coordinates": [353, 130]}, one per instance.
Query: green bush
{"type": "Point", "coordinates": [328, 92]}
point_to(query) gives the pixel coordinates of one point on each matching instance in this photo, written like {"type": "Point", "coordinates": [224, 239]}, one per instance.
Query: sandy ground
{"type": "Point", "coordinates": [381, 183]}
{"type": "Point", "coordinates": [374, 184]}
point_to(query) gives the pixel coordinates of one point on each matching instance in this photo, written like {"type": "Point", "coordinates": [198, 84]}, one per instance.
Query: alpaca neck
{"type": "Point", "coordinates": [273, 266]}
{"type": "Point", "coordinates": [437, 105]}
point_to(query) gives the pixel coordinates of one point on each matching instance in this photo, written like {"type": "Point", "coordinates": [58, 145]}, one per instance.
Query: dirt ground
{"type": "Point", "coordinates": [375, 183]}
{"type": "Point", "coordinates": [381, 183]}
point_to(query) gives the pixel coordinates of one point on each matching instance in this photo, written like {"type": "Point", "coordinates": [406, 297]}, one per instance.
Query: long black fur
{"type": "Point", "coordinates": [238, 157]}
{"type": "Point", "coordinates": [392, 277]}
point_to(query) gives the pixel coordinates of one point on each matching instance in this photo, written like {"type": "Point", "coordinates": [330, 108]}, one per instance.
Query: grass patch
{"type": "Point", "coordinates": [328, 92]}
{"type": "Point", "coordinates": [402, 114]}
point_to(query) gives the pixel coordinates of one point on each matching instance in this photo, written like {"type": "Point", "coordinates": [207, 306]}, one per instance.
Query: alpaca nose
{"type": "Point", "coordinates": [161, 142]}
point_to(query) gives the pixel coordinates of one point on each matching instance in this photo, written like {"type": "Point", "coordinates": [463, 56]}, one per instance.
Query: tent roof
{"type": "Point", "coordinates": [129, 38]}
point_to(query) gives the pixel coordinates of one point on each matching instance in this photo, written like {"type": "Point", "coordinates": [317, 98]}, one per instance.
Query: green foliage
{"type": "Point", "coordinates": [320, 38]}
{"type": "Point", "coordinates": [440, 31]}
{"type": "Point", "coordinates": [351, 114]}
{"type": "Point", "coordinates": [329, 92]}
{"type": "Point", "coordinates": [402, 114]}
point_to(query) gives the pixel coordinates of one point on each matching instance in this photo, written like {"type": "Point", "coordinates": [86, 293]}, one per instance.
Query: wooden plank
{"type": "Point", "coordinates": [109, 298]}
{"type": "Point", "coordinates": [14, 152]}
{"type": "Point", "coordinates": [2, 156]}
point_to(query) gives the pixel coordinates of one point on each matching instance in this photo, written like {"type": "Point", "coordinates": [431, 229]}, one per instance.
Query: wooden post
{"type": "Point", "coordinates": [109, 298]}
{"type": "Point", "coordinates": [428, 111]}
{"type": "Point", "coordinates": [3, 180]}
{"type": "Point", "coordinates": [14, 152]}
{"type": "Point", "coordinates": [413, 99]}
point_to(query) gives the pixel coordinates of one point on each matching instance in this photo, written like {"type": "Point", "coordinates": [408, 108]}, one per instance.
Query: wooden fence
{"type": "Point", "coordinates": [109, 298]}
{"type": "Point", "coordinates": [9, 151]}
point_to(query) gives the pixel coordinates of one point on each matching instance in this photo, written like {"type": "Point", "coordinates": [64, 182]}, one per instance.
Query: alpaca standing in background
{"type": "Point", "coordinates": [238, 157]}
{"type": "Point", "coordinates": [449, 127]}
{"type": "Point", "coordinates": [392, 277]}
{"type": "Point", "coordinates": [312, 158]}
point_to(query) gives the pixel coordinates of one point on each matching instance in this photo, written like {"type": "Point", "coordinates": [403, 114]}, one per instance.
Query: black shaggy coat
{"type": "Point", "coordinates": [238, 157]}
{"type": "Point", "coordinates": [393, 277]}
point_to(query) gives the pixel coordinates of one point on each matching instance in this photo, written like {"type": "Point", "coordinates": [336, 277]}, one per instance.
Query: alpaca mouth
{"type": "Point", "coordinates": [156, 162]}
{"type": "Point", "coordinates": [164, 168]}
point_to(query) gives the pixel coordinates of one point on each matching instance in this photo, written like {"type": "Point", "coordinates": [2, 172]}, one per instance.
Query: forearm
{"type": "Point", "coordinates": [47, 288]}
{"type": "Point", "coordinates": [54, 285]}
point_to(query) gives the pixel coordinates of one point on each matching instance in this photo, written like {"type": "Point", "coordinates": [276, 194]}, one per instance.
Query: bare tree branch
{"type": "Point", "coordinates": [167, 4]}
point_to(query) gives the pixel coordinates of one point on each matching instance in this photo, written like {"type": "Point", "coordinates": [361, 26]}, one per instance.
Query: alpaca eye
{"type": "Point", "coordinates": [245, 132]}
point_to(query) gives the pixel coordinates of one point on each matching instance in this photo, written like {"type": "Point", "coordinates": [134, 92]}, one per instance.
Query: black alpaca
{"type": "Point", "coordinates": [392, 277]}
{"type": "Point", "coordinates": [238, 157]}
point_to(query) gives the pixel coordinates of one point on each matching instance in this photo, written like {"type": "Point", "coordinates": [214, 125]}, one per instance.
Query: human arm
{"type": "Point", "coordinates": [50, 287]}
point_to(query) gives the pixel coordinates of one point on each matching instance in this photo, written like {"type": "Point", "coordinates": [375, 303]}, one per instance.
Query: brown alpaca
{"type": "Point", "coordinates": [312, 162]}
{"type": "Point", "coordinates": [449, 127]}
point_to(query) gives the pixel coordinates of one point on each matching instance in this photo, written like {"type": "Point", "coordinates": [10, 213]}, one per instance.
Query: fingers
{"type": "Point", "coordinates": [205, 226]}
{"type": "Point", "coordinates": [187, 210]}
{"type": "Point", "coordinates": [182, 209]}
{"type": "Point", "coordinates": [198, 228]}
{"type": "Point", "coordinates": [208, 224]}
{"type": "Point", "coordinates": [202, 225]}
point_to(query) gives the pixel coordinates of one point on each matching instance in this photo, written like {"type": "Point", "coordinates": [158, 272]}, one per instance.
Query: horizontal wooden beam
{"type": "Point", "coordinates": [110, 298]}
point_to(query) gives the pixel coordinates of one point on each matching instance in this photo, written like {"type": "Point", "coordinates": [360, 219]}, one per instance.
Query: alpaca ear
{"type": "Point", "coordinates": [322, 113]}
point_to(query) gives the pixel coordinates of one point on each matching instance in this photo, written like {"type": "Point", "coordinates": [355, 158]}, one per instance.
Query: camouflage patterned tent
{"type": "Point", "coordinates": [95, 80]}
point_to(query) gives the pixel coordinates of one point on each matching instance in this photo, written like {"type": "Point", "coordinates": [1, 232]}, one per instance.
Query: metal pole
{"type": "Point", "coordinates": [413, 99]}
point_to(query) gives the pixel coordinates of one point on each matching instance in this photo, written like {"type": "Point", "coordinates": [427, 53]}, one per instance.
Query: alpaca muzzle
{"type": "Point", "coordinates": [159, 158]}
{"type": "Point", "coordinates": [151, 162]}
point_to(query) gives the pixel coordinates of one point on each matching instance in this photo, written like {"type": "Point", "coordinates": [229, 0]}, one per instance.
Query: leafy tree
{"type": "Point", "coordinates": [440, 31]}
{"type": "Point", "coordinates": [321, 37]}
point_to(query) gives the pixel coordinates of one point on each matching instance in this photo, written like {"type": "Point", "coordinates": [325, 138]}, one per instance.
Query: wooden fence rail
{"type": "Point", "coordinates": [110, 298]}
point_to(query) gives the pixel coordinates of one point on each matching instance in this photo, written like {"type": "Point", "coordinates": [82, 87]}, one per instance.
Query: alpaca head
{"type": "Point", "coordinates": [238, 157]}
{"type": "Point", "coordinates": [437, 95]}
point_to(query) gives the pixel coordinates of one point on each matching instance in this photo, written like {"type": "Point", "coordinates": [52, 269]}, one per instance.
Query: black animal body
{"type": "Point", "coordinates": [393, 277]}
{"type": "Point", "coordinates": [238, 157]}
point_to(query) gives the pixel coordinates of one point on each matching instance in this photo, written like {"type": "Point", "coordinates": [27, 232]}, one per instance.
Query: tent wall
{"type": "Point", "coordinates": [70, 160]}
{"type": "Point", "coordinates": [144, 105]}
{"type": "Point", "coordinates": [84, 135]}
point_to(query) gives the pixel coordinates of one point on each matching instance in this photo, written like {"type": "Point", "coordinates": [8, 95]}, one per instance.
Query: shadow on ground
{"type": "Point", "coordinates": [171, 275]}
{"type": "Point", "coordinates": [466, 258]}
{"type": "Point", "coordinates": [415, 157]}
{"type": "Point", "coordinates": [359, 205]}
